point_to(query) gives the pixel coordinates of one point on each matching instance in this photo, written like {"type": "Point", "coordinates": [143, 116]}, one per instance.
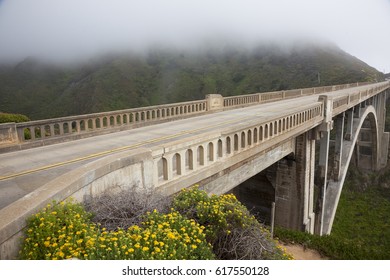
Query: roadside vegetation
{"type": "Point", "coordinates": [17, 118]}
{"type": "Point", "coordinates": [192, 225]}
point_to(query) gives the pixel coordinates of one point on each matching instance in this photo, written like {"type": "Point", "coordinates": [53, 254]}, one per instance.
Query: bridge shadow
{"type": "Point", "coordinates": [258, 193]}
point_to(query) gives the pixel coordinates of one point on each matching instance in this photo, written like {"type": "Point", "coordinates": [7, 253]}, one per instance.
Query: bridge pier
{"type": "Point", "coordinates": [294, 187]}
{"type": "Point", "coordinates": [349, 128]}
{"type": "Point", "coordinates": [339, 126]}
{"type": "Point", "coordinates": [383, 137]}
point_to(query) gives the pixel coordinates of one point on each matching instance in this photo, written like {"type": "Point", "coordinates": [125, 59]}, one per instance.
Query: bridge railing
{"type": "Point", "coordinates": [92, 124]}
{"type": "Point", "coordinates": [42, 132]}
{"type": "Point", "coordinates": [256, 98]}
{"type": "Point", "coordinates": [343, 103]}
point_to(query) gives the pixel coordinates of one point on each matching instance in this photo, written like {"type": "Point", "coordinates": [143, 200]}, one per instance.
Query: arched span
{"type": "Point", "coordinates": [334, 188]}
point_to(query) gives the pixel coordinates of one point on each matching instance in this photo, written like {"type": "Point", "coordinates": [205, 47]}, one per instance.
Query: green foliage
{"type": "Point", "coordinates": [328, 245]}
{"type": "Point", "coordinates": [17, 118]}
{"type": "Point", "coordinates": [65, 231]}
{"type": "Point", "coordinates": [197, 227]}
{"type": "Point", "coordinates": [363, 217]}
{"type": "Point", "coordinates": [227, 223]}
{"type": "Point", "coordinates": [54, 232]}
{"type": "Point", "coordinates": [220, 214]}
{"type": "Point", "coordinates": [183, 238]}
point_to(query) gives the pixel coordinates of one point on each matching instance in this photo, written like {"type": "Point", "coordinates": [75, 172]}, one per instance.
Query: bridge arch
{"type": "Point", "coordinates": [335, 187]}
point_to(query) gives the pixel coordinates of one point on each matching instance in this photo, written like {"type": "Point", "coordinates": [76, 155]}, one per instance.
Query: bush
{"type": "Point", "coordinates": [65, 231]}
{"type": "Point", "coordinates": [229, 227]}
{"type": "Point", "coordinates": [6, 118]}
{"type": "Point", "coordinates": [126, 208]}
{"type": "Point", "coordinates": [160, 237]}
{"type": "Point", "coordinates": [57, 232]}
{"type": "Point", "coordinates": [196, 227]}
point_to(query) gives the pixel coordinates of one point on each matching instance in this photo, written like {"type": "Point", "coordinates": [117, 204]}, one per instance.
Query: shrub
{"type": "Point", "coordinates": [5, 118]}
{"type": "Point", "coordinates": [197, 227]}
{"type": "Point", "coordinates": [57, 232]}
{"type": "Point", "coordinates": [65, 231]}
{"type": "Point", "coordinates": [229, 227]}
{"type": "Point", "coordinates": [160, 237]}
{"type": "Point", "coordinates": [125, 208]}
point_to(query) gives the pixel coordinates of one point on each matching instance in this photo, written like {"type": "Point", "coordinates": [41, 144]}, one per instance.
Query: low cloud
{"type": "Point", "coordinates": [62, 30]}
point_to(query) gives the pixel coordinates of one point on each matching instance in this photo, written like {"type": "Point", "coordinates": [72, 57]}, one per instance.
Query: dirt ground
{"type": "Point", "coordinates": [301, 253]}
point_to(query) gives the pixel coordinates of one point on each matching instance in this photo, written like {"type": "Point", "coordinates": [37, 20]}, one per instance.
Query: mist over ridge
{"type": "Point", "coordinates": [120, 80]}
{"type": "Point", "coordinates": [77, 30]}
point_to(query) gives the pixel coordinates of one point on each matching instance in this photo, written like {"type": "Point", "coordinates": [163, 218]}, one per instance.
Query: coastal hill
{"type": "Point", "coordinates": [157, 76]}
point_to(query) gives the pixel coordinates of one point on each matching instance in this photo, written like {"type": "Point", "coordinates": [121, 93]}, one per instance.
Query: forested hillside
{"type": "Point", "coordinates": [112, 82]}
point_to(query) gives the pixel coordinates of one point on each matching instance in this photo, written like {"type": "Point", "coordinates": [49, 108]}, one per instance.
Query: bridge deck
{"type": "Point", "coordinates": [23, 171]}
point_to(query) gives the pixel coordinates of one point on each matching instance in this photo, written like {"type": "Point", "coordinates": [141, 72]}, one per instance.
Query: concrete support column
{"type": "Point", "coordinates": [294, 187]}
{"type": "Point", "coordinates": [381, 114]}
{"type": "Point", "coordinates": [349, 128]}
{"type": "Point", "coordinates": [356, 111]}
{"type": "Point", "coordinates": [375, 102]}
{"type": "Point", "coordinates": [323, 172]}
{"type": "Point", "coordinates": [339, 124]}
{"type": "Point", "coordinates": [324, 130]}
{"type": "Point", "coordinates": [383, 136]}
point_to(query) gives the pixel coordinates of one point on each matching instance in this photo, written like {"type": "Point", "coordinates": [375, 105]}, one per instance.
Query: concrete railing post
{"type": "Point", "coordinates": [214, 102]}
{"type": "Point", "coordinates": [8, 134]}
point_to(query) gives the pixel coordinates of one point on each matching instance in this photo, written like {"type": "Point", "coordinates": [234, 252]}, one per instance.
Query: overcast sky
{"type": "Point", "coordinates": [78, 29]}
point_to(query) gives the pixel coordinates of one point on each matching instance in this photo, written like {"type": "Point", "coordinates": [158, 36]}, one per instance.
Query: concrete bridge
{"type": "Point", "coordinates": [308, 136]}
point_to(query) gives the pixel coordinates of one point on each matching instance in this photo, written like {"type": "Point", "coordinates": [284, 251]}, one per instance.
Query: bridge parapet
{"type": "Point", "coordinates": [256, 98]}
{"type": "Point", "coordinates": [343, 103]}
{"type": "Point", "coordinates": [190, 160]}
{"type": "Point", "coordinates": [42, 132]}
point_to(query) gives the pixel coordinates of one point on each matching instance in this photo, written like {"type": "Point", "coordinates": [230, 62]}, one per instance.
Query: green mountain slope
{"type": "Point", "coordinates": [113, 82]}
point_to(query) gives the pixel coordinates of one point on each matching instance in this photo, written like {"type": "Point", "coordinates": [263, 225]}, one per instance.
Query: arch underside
{"type": "Point", "coordinates": [334, 188]}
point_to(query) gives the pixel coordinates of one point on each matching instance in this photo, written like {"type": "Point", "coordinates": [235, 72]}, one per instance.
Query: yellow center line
{"type": "Point", "coordinates": [107, 152]}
